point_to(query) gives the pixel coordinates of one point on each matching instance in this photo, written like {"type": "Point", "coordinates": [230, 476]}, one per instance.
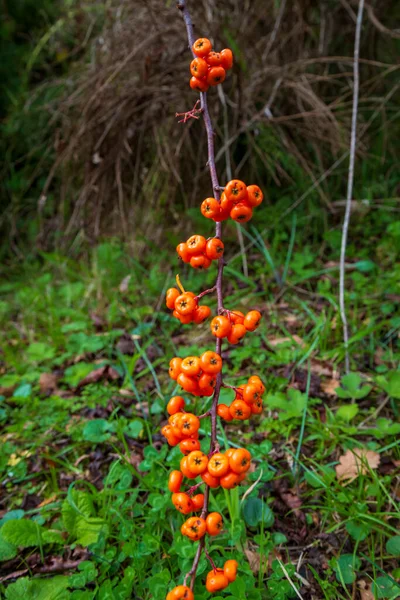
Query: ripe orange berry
{"type": "Point", "coordinates": [189, 424]}
{"type": "Point", "coordinates": [252, 320]}
{"type": "Point", "coordinates": [194, 528]}
{"type": "Point", "coordinates": [201, 313]}
{"type": "Point", "coordinates": [211, 362]}
{"type": "Point", "coordinates": [214, 248]}
{"type": "Point", "coordinates": [181, 592]}
{"type": "Point", "coordinates": [183, 252]}
{"type": "Point", "coordinates": [224, 412]}
{"type": "Point", "coordinates": [174, 481]}
{"type": "Point", "coordinates": [207, 381]}
{"type": "Point", "coordinates": [196, 244]}
{"type": "Point", "coordinates": [175, 367]}
{"type": "Point", "coordinates": [188, 383]}
{"type": "Point", "coordinates": [235, 190]}
{"type": "Point", "coordinates": [185, 304]}
{"type": "Point", "coordinates": [226, 58]}
{"type": "Point", "coordinates": [218, 465]}
{"type": "Point", "coordinates": [210, 480]}
{"type": "Point", "coordinates": [230, 481]}
{"type": "Point", "coordinates": [223, 215]}
{"type": "Point", "coordinates": [240, 410]}
{"type": "Point", "coordinates": [255, 380]}
{"type": "Point", "coordinates": [182, 502]}
{"type": "Point", "coordinates": [199, 67]}
{"type": "Point", "coordinates": [175, 424]}
{"type": "Point", "coordinates": [214, 523]}
{"type": "Point", "coordinates": [175, 405]}
{"type": "Point", "coordinates": [170, 297]}
{"type": "Point", "coordinates": [198, 501]}
{"type": "Point", "coordinates": [184, 319]}
{"type": "Point", "coordinates": [191, 365]}
{"type": "Point", "coordinates": [213, 59]}
{"type": "Point", "coordinates": [199, 85]}
{"type": "Point", "coordinates": [230, 570]}
{"type": "Point", "coordinates": [220, 326]}
{"type": "Point", "coordinates": [216, 75]}
{"type": "Point", "coordinates": [171, 437]}
{"type": "Point", "coordinates": [241, 213]}
{"type": "Point", "coordinates": [197, 462]}
{"type": "Point", "coordinates": [216, 580]}
{"type": "Point", "coordinates": [209, 208]}
{"type": "Point", "coordinates": [239, 461]}
{"type": "Point", "coordinates": [255, 195]}
{"type": "Point", "coordinates": [251, 393]}
{"type": "Point", "coordinates": [226, 203]}
{"type": "Point", "coordinates": [200, 262]}
{"type": "Point", "coordinates": [236, 316]}
{"type": "Point", "coordinates": [189, 445]}
{"type": "Point", "coordinates": [257, 408]}
{"type": "Point", "coordinates": [202, 47]}
{"type": "Point", "coordinates": [184, 467]}
{"type": "Point", "coordinates": [237, 332]}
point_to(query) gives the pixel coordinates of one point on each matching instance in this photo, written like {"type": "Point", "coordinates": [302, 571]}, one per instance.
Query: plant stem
{"type": "Point", "coordinates": [218, 285]}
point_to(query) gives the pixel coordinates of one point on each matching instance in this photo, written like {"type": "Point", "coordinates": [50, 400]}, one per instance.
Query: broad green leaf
{"type": "Point", "coordinates": [358, 530]}
{"type": "Point", "coordinates": [88, 530]}
{"type": "Point", "coordinates": [77, 505]}
{"type": "Point", "coordinates": [22, 532]}
{"type": "Point", "coordinates": [256, 511]}
{"type": "Point", "coordinates": [39, 352]}
{"type": "Point", "coordinates": [347, 412]}
{"type": "Point", "coordinates": [21, 589]}
{"type": "Point", "coordinates": [23, 391]}
{"type": "Point", "coordinates": [97, 430]}
{"type": "Point", "coordinates": [7, 550]}
{"type": "Point", "coordinates": [385, 587]}
{"type": "Point", "coordinates": [345, 568]}
{"type": "Point", "coordinates": [393, 545]}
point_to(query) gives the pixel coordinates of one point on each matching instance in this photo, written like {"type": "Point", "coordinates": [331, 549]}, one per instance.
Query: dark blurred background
{"type": "Point", "coordinates": [91, 147]}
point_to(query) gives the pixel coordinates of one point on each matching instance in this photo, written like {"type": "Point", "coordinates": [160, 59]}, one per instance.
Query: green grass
{"type": "Point", "coordinates": [84, 467]}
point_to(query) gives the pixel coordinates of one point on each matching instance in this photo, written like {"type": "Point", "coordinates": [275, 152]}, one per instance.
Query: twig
{"type": "Point", "coordinates": [218, 285]}
{"type": "Point", "coordinates": [350, 181]}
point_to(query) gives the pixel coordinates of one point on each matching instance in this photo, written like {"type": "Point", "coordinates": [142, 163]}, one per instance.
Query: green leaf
{"type": "Point", "coordinates": [391, 384]}
{"type": "Point", "coordinates": [347, 412]}
{"type": "Point", "coordinates": [385, 587]}
{"type": "Point", "coordinates": [23, 391]}
{"type": "Point", "coordinates": [345, 568]}
{"type": "Point", "coordinates": [350, 387]}
{"type": "Point", "coordinates": [22, 588]}
{"type": "Point", "coordinates": [77, 505]}
{"type": "Point", "coordinates": [7, 550]}
{"type": "Point", "coordinates": [38, 352]}
{"type": "Point", "coordinates": [97, 431]}
{"type": "Point", "coordinates": [88, 530]}
{"type": "Point", "coordinates": [256, 511]}
{"type": "Point", "coordinates": [134, 429]}
{"type": "Point", "coordinates": [358, 530]}
{"type": "Point", "coordinates": [365, 266]}
{"type": "Point", "coordinates": [393, 545]}
{"type": "Point", "coordinates": [22, 532]}
{"type": "Point", "coordinates": [52, 536]}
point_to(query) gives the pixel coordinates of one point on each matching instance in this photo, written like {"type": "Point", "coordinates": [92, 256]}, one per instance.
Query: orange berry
{"type": "Point", "coordinates": [188, 383]}
{"type": "Point", "coordinates": [237, 332]}
{"type": "Point", "coordinates": [252, 320]}
{"type": "Point", "coordinates": [210, 480]}
{"type": "Point", "coordinates": [191, 365]}
{"type": "Point", "coordinates": [257, 408]}
{"type": "Point", "coordinates": [218, 465]}
{"type": "Point", "coordinates": [189, 424]}
{"type": "Point", "coordinates": [175, 423]}
{"type": "Point", "coordinates": [223, 215]}
{"type": "Point", "coordinates": [236, 317]}
{"type": "Point", "coordinates": [240, 410]}
{"type": "Point", "coordinates": [210, 208]}
{"type": "Point", "coordinates": [216, 580]}
{"type": "Point", "coordinates": [251, 393]}
{"type": "Point", "coordinates": [189, 445]}
{"type": "Point", "coordinates": [184, 467]}
{"type": "Point", "coordinates": [202, 47]}
{"type": "Point", "coordinates": [172, 438]}
{"type": "Point", "coordinates": [175, 367]}
{"type": "Point", "coordinates": [241, 213]}
{"type": "Point", "coordinates": [214, 523]}
{"type": "Point", "coordinates": [182, 502]}
{"type": "Point", "coordinates": [170, 297]}
{"type": "Point", "coordinates": [224, 412]}
{"type": "Point", "coordinates": [194, 528]}
{"type": "Point", "coordinates": [226, 58]}
{"type": "Point", "coordinates": [230, 570]}
{"type": "Point", "coordinates": [200, 262]}
{"type": "Point", "coordinates": [175, 405]}
{"type": "Point", "coordinates": [220, 326]}
{"type": "Point", "coordinates": [255, 195]}
{"type": "Point", "coordinates": [185, 304]}
{"type": "Point", "coordinates": [199, 85]}
{"type": "Point", "coordinates": [199, 68]}
{"type": "Point", "coordinates": [214, 248]}
{"type": "Point", "coordinates": [230, 481]}
{"type": "Point", "coordinates": [174, 481]}
{"type": "Point", "coordinates": [196, 244]}
{"type": "Point", "coordinates": [211, 362]}
{"type": "Point", "coordinates": [226, 203]}
{"type": "Point", "coordinates": [207, 381]}
{"type": "Point", "coordinates": [255, 380]}
{"type": "Point", "coordinates": [181, 592]}
{"type": "Point", "coordinates": [216, 75]}
{"type": "Point", "coordinates": [213, 59]}
{"type": "Point", "coordinates": [201, 313]}
{"type": "Point", "coordinates": [197, 462]}
{"type": "Point", "coordinates": [235, 190]}
{"type": "Point", "coordinates": [183, 252]}
{"type": "Point", "coordinates": [198, 502]}
{"type": "Point", "coordinates": [239, 461]}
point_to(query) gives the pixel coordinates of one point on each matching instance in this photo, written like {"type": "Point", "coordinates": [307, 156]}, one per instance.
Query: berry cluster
{"type": "Point", "coordinates": [196, 527]}
{"type": "Point", "coordinates": [219, 579]}
{"type": "Point", "coordinates": [185, 307]}
{"type": "Point", "coordinates": [196, 374]}
{"type": "Point", "coordinates": [208, 68]}
{"type": "Point", "coordinates": [235, 325]}
{"type": "Point", "coordinates": [200, 252]}
{"type": "Point", "coordinates": [237, 202]}
{"type": "Point", "coordinates": [247, 402]}
{"type": "Point", "coordinates": [181, 592]}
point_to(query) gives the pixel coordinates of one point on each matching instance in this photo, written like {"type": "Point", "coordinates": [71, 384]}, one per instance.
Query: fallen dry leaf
{"type": "Point", "coordinates": [52, 498]}
{"type": "Point", "coordinates": [106, 372]}
{"type": "Point", "coordinates": [329, 386]}
{"type": "Point", "coordinates": [47, 383]}
{"type": "Point", "coordinates": [365, 590]}
{"type": "Point", "coordinates": [356, 462]}
{"type": "Point", "coordinates": [273, 341]}
{"type": "Point", "coordinates": [254, 560]}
